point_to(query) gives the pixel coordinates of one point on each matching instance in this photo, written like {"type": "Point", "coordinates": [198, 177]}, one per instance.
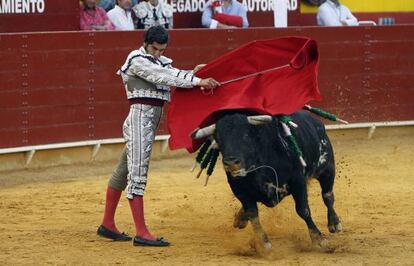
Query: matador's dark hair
{"type": "Point", "coordinates": [156, 34]}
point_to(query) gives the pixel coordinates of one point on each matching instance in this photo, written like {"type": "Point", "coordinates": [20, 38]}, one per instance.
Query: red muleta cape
{"type": "Point", "coordinates": [281, 91]}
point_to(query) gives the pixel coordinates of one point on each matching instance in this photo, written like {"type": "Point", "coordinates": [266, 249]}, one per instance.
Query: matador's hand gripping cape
{"type": "Point", "coordinates": [277, 76]}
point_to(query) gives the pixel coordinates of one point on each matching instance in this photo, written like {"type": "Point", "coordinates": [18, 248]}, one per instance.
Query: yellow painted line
{"type": "Point", "coordinates": [368, 6]}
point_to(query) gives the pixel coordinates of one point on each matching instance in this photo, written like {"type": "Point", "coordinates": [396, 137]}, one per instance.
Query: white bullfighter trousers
{"type": "Point", "coordinates": [139, 132]}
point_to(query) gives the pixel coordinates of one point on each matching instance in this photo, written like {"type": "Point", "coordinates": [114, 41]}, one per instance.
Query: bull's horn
{"type": "Point", "coordinates": [203, 132]}
{"type": "Point", "coordinates": [259, 119]}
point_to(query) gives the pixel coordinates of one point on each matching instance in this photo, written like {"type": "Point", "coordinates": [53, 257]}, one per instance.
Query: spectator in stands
{"type": "Point", "coordinates": [153, 13]}
{"type": "Point", "coordinates": [224, 14]}
{"type": "Point", "coordinates": [121, 16]}
{"type": "Point", "coordinates": [109, 4]}
{"type": "Point", "coordinates": [332, 13]}
{"type": "Point", "coordinates": [93, 17]}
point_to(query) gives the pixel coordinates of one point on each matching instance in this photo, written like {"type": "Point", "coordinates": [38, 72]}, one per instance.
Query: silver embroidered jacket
{"type": "Point", "coordinates": [148, 15]}
{"type": "Point", "coordinates": [145, 76]}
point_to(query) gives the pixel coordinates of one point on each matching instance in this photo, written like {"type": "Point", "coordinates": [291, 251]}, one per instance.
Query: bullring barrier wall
{"type": "Point", "coordinates": [61, 87]}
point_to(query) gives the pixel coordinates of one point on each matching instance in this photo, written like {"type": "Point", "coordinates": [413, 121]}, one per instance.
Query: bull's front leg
{"type": "Point", "coordinates": [258, 230]}
{"type": "Point", "coordinates": [250, 212]}
{"type": "Point", "coordinates": [300, 195]}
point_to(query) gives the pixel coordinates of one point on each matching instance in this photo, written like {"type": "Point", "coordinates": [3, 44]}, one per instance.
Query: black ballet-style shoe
{"type": "Point", "coordinates": [105, 232]}
{"type": "Point", "coordinates": [159, 242]}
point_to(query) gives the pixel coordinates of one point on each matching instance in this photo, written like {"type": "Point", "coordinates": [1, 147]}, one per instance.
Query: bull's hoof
{"type": "Point", "coordinates": [335, 228]}
{"type": "Point", "coordinates": [263, 249]}
{"type": "Point", "coordinates": [319, 240]}
{"type": "Point", "coordinates": [334, 224]}
{"type": "Point", "coordinates": [239, 222]}
{"type": "Point", "coordinates": [267, 246]}
{"type": "Point", "coordinates": [240, 225]}
{"type": "Point", "coordinates": [321, 243]}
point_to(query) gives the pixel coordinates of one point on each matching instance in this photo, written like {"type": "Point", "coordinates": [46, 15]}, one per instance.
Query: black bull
{"type": "Point", "coordinates": [262, 167]}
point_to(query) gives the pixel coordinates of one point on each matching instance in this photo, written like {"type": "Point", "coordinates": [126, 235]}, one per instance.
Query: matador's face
{"type": "Point", "coordinates": [155, 49]}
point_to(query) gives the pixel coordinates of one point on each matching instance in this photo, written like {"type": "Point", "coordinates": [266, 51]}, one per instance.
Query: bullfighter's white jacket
{"type": "Point", "coordinates": [145, 76]}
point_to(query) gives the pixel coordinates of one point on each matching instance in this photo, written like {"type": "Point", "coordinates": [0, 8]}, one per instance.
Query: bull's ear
{"type": "Point", "coordinates": [259, 119]}
{"type": "Point", "coordinates": [200, 133]}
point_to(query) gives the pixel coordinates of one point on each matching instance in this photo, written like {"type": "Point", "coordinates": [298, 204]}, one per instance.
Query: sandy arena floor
{"type": "Point", "coordinates": [49, 216]}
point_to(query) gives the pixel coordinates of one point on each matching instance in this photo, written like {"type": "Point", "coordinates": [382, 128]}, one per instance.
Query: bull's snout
{"type": "Point", "coordinates": [231, 161]}
{"type": "Point", "coordinates": [234, 166]}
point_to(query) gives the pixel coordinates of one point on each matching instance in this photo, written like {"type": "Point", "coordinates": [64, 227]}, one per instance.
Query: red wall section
{"type": "Point", "coordinates": [58, 15]}
{"type": "Point", "coordinates": [60, 87]}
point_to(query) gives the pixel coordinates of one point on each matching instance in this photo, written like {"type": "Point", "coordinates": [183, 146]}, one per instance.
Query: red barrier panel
{"type": "Point", "coordinates": [60, 87]}
{"type": "Point", "coordinates": [38, 15]}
